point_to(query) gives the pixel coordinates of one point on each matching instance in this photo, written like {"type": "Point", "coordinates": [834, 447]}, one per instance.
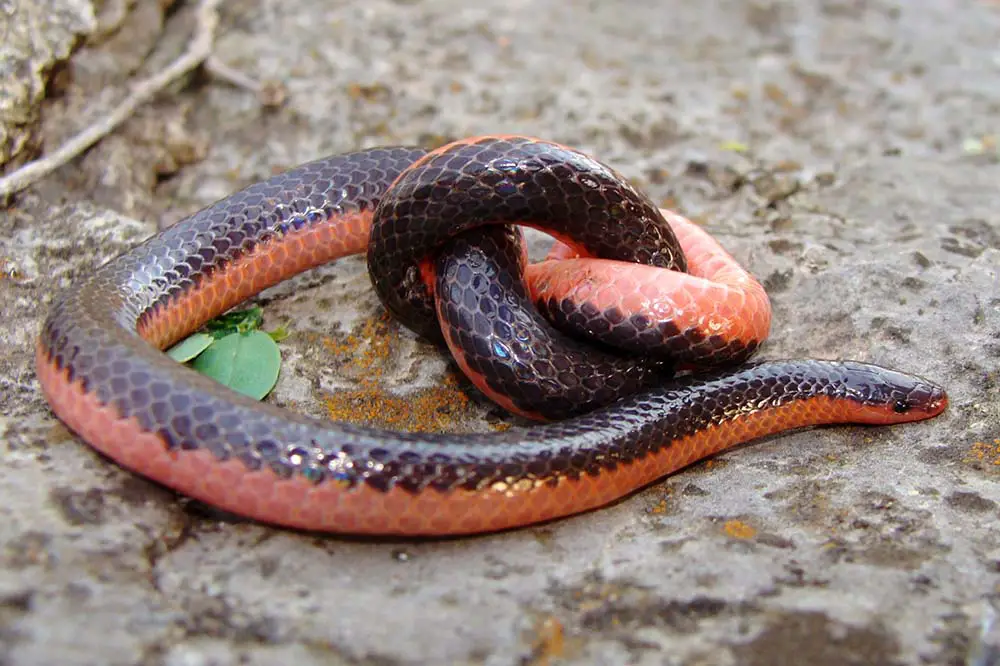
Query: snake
{"type": "Point", "coordinates": [629, 347]}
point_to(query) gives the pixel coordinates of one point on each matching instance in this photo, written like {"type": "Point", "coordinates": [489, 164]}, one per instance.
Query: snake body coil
{"type": "Point", "coordinates": [627, 274]}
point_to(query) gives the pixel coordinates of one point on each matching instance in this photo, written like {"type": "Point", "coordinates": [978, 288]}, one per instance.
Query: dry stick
{"type": "Point", "coordinates": [270, 94]}
{"type": "Point", "coordinates": [198, 51]}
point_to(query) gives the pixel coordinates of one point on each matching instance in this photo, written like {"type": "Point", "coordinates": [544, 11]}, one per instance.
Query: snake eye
{"type": "Point", "coordinates": [901, 406]}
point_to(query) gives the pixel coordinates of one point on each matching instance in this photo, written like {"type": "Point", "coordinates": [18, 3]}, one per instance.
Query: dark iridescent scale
{"type": "Point", "coordinates": [506, 340]}
{"type": "Point", "coordinates": [91, 333]}
{"type": "Point", "coordinates": [513, 180]}
{"type": "Point", "coordinates": [639, 335]}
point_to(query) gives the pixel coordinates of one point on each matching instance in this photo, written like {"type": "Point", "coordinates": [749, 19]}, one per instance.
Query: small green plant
{"type": "Point", "coordinates": [233, 351]}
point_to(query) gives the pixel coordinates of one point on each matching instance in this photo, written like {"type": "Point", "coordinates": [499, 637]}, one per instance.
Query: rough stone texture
{"type": "Point", "coordinates": [34, 37]}
{"type": "Point", "coordinates": [860, 199]}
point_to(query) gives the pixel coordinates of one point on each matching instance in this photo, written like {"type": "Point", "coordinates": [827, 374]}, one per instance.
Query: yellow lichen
{"type": "Point", "coordinates": [737, 529]}
{"type": "Point", "coordinates": [661, 505]}
{"type": "Point", "coordinates": [984, 452]}
{"type": "Point", "coordinates": [369, 355]}
{"type": "Point", "coordinates": [549, 641]}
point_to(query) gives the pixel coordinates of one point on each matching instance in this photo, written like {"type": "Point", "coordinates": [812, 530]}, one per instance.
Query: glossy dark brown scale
{"type": "Point", "coordinates": [487, 317]}
{"type": "Point", "coordinates": [519, 180]}
{"type": "Point", "coordinates": [641, 335]}
{"type": "Point", "coordinates": [102, 376]}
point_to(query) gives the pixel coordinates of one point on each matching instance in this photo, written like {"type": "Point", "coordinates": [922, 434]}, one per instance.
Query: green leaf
{"type": "Point", "coordinates": [247, 363]}
{"type": "Point", "coordinates": [190, 347]}
{"type": "Point", "coordinates": [241, 321]}
{"type": "Point", "coordinates": [279, 334]}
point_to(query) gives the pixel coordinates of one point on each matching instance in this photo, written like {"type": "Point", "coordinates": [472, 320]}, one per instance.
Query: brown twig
{"type": "Point", "coordinates": [271, 94]}
{"type": "Point", "coordinates": [198, 51]}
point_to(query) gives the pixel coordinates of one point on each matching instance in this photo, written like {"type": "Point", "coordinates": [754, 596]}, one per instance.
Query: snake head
{"type": "Point", "coordinates": [893, 396]}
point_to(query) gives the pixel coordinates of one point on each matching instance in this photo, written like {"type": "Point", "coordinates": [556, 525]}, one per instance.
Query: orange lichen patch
{"type": "Point", "coordinates": [660, 507]}
{"type": "Point", "coordinates": [549, 641]}
{"type": "Point", "coordinates": [368, 349]}
{"type": "Point", "coordinates": [987, 453]}
{"type": "Point", "coordinates": [425, 410]}
{"type": "Point", "coordinates": [369, 354]}
{"type": "Point", "coordinates": [737, 529]}
{"type": "Point", "coordinates": [662, 504]}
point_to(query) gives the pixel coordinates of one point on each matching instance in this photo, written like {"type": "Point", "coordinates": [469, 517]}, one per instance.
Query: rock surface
{"type": "Point", "coordinates": [845, 151]}
{"type": "Point", "coordinates": [37, 37]}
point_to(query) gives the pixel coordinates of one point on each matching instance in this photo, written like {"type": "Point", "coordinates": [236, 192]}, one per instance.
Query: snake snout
{"type": "Point", "coordinates": [924, 399]}
{"type": "Point", "coordinates": [893, 396]}
{"type": "Point", "coordinates": [911, 398]}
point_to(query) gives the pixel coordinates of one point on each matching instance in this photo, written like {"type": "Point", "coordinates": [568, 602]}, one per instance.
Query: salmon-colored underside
{"type": "Point", "coordinates": [334, 507]}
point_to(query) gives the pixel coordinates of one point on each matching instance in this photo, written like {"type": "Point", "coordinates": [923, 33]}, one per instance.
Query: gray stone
{"type": "Point", "coordinates": [36, 37]}
{"type": "Point", "coordinates": [841, 150]}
